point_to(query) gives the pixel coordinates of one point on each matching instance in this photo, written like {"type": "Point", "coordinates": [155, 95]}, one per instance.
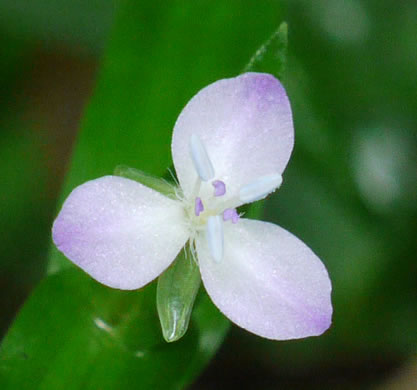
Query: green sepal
{"type": "Point", "coordinates": [175, 296]}
{"type": "Point", "coordinates": [271, 56]}
{"type": "Point", "coordinates": [156, 183]}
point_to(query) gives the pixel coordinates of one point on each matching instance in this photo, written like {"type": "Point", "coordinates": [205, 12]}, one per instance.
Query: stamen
{"type": "Point", "coordinates": [201, 160]}
{"type": "Point", "coordinates": [219, 187]}
{"type": "Point", "coordinates": [230, 214]}
{"type": "Point", "coordinates": [215, 237]}
{"type": "Point", "coordinates": [260, 188]}
{"type": "Point", "coordinates": [199, 207]}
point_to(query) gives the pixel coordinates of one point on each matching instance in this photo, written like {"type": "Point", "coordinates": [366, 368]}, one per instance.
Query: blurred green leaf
{"type": "Point", "coordinates": [81, 25]}
{"type": "Point", "coordinates": [74, 333]}
{"type": "Point", "coordinates": [13, 53]}
{"type": "Point", "coordinates": [21, 203]}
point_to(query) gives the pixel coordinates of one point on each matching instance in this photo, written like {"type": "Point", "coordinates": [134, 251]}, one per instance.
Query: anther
{"type": "Point", "coordinates": [198, 207]}
{"type": "Point", "coordinates": [230, 214]}
{"type": "Point", "coordinates": [219, 188]}
{"type": "Point", "coordinates": [215, 237]}
{"type": "Point", "coordinates": [260, 188]}
{"type": "Point", "coordinates": [201, 160]}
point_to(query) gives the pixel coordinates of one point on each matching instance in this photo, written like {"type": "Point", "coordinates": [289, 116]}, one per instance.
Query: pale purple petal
{"type": "Point", "coordinates": [246, 126]}
{"type": "Point", "coordinates": [268, 282]}
{"type": "Point", "coordinates": [120, 232]}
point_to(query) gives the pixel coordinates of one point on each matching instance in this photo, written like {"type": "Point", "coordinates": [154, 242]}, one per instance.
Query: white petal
{"type": "Point", "coordinates": [120, 232]}
{"type": "Point", "coordinates": [269, 282]}
{"type": "Point", "coordinates": [246, 126]}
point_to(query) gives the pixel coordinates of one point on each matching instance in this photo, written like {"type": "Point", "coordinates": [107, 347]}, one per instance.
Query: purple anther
{"type": "Point", "coordinates": [219, 188]}
{"type": "Point", "coordinates": [230, 214]}
{"type": "Point", "coordinates": [199, 207]}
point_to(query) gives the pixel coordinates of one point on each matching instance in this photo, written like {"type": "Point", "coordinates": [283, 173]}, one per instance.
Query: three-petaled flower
{"type": "Point", "coordinates": [230, 145]}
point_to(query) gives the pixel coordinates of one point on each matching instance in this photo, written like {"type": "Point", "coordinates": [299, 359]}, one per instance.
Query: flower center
{"type": "Point", "coordinates": [208, 214]}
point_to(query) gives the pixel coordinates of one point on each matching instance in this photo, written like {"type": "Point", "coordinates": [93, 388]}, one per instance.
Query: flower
{"type": "Point", "coordinates": [230, 145]}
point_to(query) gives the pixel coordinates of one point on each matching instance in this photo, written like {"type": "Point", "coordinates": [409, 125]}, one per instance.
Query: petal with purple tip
{"type": "Point", "coordinates": [120, 232]}
{"type": "Point", "coordinates": [269, 282]}
{"type": "Point", "coordinates": [245, 123]}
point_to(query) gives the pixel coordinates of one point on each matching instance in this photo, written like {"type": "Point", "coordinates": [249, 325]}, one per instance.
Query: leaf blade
{"type": "Point", "coordinates": [149, 53]}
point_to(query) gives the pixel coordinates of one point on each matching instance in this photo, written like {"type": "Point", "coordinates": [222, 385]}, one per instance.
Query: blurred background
{"type": "Point", "coordinates": [349, 191]}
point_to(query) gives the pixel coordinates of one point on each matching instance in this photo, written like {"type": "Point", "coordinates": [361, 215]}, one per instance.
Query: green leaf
{"type": "Point", "coordinates": [94, 337]}
{"type": "Point", "coordinates": [146, 179]}
{"type": "Point", "coordinates": [73, 333]}
{"type": "Point", "coordinates": [271, 56]}
{"type": "Point", "coordinates": [177, 289]}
